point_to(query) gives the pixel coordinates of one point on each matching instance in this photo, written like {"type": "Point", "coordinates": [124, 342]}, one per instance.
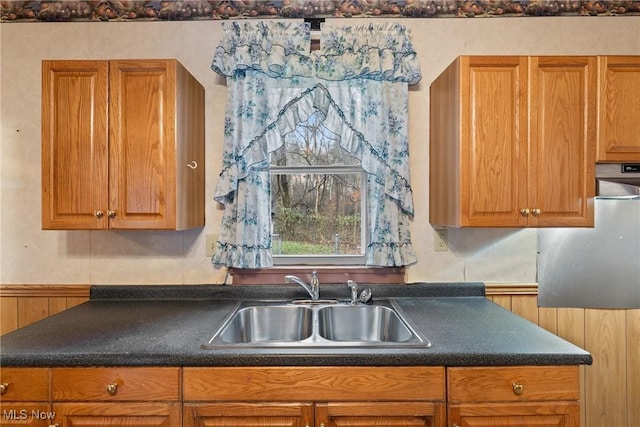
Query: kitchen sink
{"type": "Point", "coordinates": [320, 324]}
{"type": "Point", "coordinates": [366, 323]}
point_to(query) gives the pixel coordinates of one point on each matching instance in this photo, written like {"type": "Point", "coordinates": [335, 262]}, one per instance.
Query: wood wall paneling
{"type": "Point", "coordinates": [610, 388]}
{"type": "Point", "coordinates": [22, 305]}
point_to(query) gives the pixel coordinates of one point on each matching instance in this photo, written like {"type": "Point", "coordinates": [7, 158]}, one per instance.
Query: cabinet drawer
{"type": "Point", "coordinates": [324, 383]}
{"type": "Point", "coordinates": [116, 384]}
{"type": "Point", "coordinates": [24, 384]}
{"type": "Point", "coordinates": [508, 384]}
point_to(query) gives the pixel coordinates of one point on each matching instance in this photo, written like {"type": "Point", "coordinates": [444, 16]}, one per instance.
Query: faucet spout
{"type": "Point", "coordinates": [313, 289]}
{"type": "Point", "coordinates": [354, 291]}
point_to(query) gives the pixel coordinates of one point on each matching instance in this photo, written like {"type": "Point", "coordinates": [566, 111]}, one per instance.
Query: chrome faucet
{"type": "Point", "coordinates": [365, 295]}
{"type": "Point", "coordinates": [313, 288]}
{"type": "Point", "coordinates": [354, 291]}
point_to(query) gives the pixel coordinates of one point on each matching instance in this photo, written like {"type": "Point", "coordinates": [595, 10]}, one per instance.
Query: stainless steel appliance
{"type": "Point", "coordinates": [596, 267]}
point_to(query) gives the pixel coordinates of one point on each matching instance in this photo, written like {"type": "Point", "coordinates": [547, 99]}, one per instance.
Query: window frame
{"type": "Point", "coordinates": [328, 260]}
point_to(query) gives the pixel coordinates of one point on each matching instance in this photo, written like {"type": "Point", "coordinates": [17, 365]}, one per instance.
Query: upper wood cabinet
{"type": "Point", "coordinates": [122, 145]}
{"type": "Point", "coordinates": [619, 137]}
{"type": "Point", "coordinates": [512, 142]}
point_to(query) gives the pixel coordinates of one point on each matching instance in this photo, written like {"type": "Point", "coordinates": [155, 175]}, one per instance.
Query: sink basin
{"type": "Point", "coordinates": [269, 323]}
{"type": "Point", "coordinates": [326, 324]}
{"type": "Point", "coordinates": [362, 323]}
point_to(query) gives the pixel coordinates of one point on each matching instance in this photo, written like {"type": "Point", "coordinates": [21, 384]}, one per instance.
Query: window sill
{"type": "Point", "coordinates": [326, 275]}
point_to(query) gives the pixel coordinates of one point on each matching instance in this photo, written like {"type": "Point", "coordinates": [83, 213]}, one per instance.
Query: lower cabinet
{"type": "Point", "coordinates": [116, 397]}
{"type": "Point", "coordinates": [319, 397]}
{"type": "Point", "coordinates": [117, 414]}
{"type": "Point", "coordinates": [248, 414]}
{"type": "Point", "coordinates": [354, 414]}
{"type": "Point", "coordinates": [534, 396]}
{"type": "Point", "coordinates": [326, 396]}
{"type": "Point", "coordinates": [24, 397]}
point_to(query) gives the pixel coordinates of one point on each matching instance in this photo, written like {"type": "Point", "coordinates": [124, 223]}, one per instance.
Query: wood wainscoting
{"type": "Point", "coordinates": [21, 305]}
{"type": "Point", "coordinates": [610, 387]}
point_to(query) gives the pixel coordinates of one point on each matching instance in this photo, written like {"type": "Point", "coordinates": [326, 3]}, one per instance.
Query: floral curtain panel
{"type": "Point", "coordinates": [358, 81]}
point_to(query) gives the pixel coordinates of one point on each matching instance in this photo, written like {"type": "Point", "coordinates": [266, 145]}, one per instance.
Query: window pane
{"type": "Point", "coordinates": [317, 213]}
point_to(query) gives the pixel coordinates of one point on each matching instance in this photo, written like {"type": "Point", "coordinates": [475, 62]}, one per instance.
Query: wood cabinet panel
{"type": "Point", "coordinates": [562, 114]}
{"type": "Point", "coordinates": [116, 384]}
{"type": "Point", "coordinates": [24, 384]}
{"type": "Point", "coordinates": [314, 383]}
{"type": "Point", "coordinates": [243, 414]}
{"type": "Point", "coordinates": [25, 414]}
{"type": "Point", "coordinates": [512, 142]}
{"type": "Point", "coordinates": [361, 414]}
{"type": "Point", "coordinates": [118, 414]}
{"type": "Point", "coordinates": [123, 145]}
{"type": "Point", "coordinates": [512, 384]}
{"type": "Point", "coordinates": [74, 144]}
{"type": "Point", "coordinates": [619, 105]}
{"type": "Point", "coordinates": [556, 414]}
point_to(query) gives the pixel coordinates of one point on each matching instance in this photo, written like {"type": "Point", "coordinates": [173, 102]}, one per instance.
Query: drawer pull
{"type": "Point", "coordinates": [518, 389]}
{"type": "Point", "coordinates": [112, 389]}
{"type": "Point", "coordinates": [54, 425]}
{"type": "Point", "coordinates": [4, 387]}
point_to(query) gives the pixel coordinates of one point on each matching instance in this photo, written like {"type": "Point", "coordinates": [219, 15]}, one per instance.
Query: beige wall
{"type": "Point", "coordinates": [29, 255]}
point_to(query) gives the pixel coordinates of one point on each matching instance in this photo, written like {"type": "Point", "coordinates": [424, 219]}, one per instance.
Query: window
{"type": "Point", "coordinates": [318, 208]}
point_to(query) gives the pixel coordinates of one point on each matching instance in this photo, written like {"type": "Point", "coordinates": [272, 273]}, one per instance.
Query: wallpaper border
{"type": "Point", "coordinates": [144, 11]}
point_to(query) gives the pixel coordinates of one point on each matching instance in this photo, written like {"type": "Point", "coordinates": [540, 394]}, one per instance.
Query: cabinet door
{"type": "Point", "coordinates": [548, 414]}
{"type": "Point", "coordinates": [142, 175]}
{"type": "Point", "coordinates": [494, 141]}
{"type": "Point", "coordinates": [74, 144]}
{"type": "Point", "coordinates": [248, 414]}
{"type": "Point", "coordinates": [563, 102]}
{"type": "Point", "coordinates": [619, 105]}
{"type": "Point", "coordinates": [364, 414]}
{"type": "Point", "coordinates": [117, 414]}
{"type": "Point", "coordinates": [25, 414]}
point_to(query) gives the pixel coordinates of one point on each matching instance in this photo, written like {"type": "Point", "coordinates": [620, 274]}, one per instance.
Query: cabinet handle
{"type": "Point", "coordinates": [112, 389]}
{"type": "Point", "coordinates": [525, 211]}
{"type": "Point", "coordinates": [192, 165]}
{"type": "Point", "coordinates": [4, 387]}
{"type": "Point", "coordinates": [54, 425]}
{"type": "Point", "coordinates": [518, 389]}
{"type": "Point", "coordinates": [111, 213]}
{"type": "Point", "coordinates": [98, 214]}
{"type": "Point", "coordinates": [536, 212]}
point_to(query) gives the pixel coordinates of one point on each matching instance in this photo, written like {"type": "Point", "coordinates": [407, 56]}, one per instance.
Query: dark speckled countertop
{"type": "Point", "coordinates": [166, 325]}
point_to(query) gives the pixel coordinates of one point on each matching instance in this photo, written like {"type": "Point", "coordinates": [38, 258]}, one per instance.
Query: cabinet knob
{"type": "Point", "coordinates": [4, 387]}
{"type": "Point", "coordinates": [98, 214]}
{"type": "Point", "coordinates": [525, 211]}
{"type": "Point", "coordinates": [111, 213]}
{"type": "Point", "coordinates": [112, 389]}
{"type": "Point", "coordinates": [536, 212]}
{"type": "Point", "coordinates": [518, 389]}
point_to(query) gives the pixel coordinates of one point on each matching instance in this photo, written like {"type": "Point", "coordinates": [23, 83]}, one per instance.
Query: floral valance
{"type": "Point", "coordinates": [281, 49]}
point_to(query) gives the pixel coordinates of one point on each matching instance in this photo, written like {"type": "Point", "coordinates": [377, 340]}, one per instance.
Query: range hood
{"type": "Point", "coordinates": [617, 180]}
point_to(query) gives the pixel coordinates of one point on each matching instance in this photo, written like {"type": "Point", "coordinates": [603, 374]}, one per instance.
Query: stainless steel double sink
{"type": "Point", "coordinates": [325, 323]}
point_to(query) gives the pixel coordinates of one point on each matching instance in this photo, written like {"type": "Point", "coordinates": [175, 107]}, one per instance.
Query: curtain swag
{"type": "Point", "coordinates": [357, 82]}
